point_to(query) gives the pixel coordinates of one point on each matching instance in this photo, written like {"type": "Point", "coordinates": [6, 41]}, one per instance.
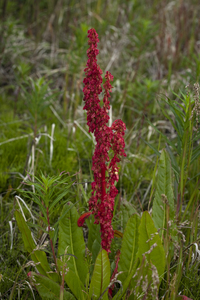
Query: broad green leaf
{"type": "Point", "coordinates": [37, 255]}
{"type": "Point", "coordinates": [48, 289]}
{"type": "Point", "coordinates": [71, 236]}
{"type": "Point", "coordinates": [101, 277]}
{"type": "Point", "coordinates": [164, 186]}
{"type": "Point", "coordinates": [129, 248]}
{"type": "Point", "coordinates": [96, 246]}
{"type": "Point", "coordinates": [93, 233]}
{"type": "Point", "coordinates": [75, 285]}
{"type": "Point", "coordinates": [72, 280]}
{"type": "Point", "coordinates": [148, 236]}
{"type": "Point", "coordinates": [94, 239]}
{"type": "Point", "coordinates": [63, 214]}
{"type": "Point", "coordinates": [43, 267]}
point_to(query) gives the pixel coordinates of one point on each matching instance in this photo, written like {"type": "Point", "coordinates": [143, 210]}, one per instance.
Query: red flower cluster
{"type": "Point", "coordinates": [101, 203]}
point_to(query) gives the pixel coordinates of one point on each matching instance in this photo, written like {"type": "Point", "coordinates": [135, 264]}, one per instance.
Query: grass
{"type": "Point", "coordinates": [152, 49]}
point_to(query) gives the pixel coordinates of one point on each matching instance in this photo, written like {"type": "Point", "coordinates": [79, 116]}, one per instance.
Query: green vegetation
{"type": "Point", "coordinates": [152, 49]}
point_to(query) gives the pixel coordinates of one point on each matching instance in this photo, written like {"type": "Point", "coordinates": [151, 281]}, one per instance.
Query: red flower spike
{"type": "Point", "coordinates": [82, 219]}
{"type": "Point", "coordinates": [101, 203]}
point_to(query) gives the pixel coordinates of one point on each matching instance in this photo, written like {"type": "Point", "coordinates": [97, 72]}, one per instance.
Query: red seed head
{"type": "Point", "coordinates": [101, 203]}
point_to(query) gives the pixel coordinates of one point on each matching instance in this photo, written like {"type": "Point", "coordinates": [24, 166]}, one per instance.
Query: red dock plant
{"type": "Point", "coordinates": [104, 161]}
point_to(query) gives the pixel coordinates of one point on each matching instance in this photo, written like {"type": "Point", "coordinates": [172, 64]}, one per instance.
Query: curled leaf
{"type": "Point", "coordinates": [82, 218]}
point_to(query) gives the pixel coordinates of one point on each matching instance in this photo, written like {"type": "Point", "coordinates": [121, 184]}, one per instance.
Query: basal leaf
{"type": "Point", "coordinates": [26, 233]}
{"type": "Point", "coordinates": [36, 255]}
{"type": "Point", "coordinates": [93, 233]}
{"type": "Point", "coordinates": [150, 245]}
{"type": "Point", "coordinates": [129, 248]}
{"type": "Point", "coordinates": [71, 236]}
{"type": "Point", "coordinates": [75, 285]}
{"type": "Point", "coordinates": [96, 246]}
{"type": "Point", "coordinates": [48, 289]}
{"type": "Point", "coordinates": [101, 277]}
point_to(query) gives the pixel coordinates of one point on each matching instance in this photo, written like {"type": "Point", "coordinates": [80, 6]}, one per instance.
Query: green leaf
{"type": "Point", "coordinates": [94, 239]}
{"type": "Point", "coordinates": [129, 248]}
{"type": "Point", "coordinates": [59, 197]}
{"type": "Point", "coordinates": [168, 117]}
{"type": "Point", "coordinates": [48, 289]}
{"type": "Point", "coordinates": [152, 147]}
{"type": "Point", "coordinates": [101, 277]}
{"type": "Point", "coordinates": [71, 236]}
{"type": "Point", "coordinates": [128, 210]}
{"type": "Point", "coordinates": [164, 186]}
{"type": "Point", "coordinates": [36, 255]}
{"type": "Point", "coordinates": [96, 245]}
{"type": "Point", "coordinates": [93, 233]}
{"type": "Point", "coordinates": [148, 236]}
{"type": "Point", "coordinates": [195, 154]}
{"type": "Point", "coordinates": [179, 116]}
{"type": "Point", "coordinates": [175, 166]}
{"type": "Point", "coordinates": [26, 233]}
{"type": "Point", "coordinates": [43, 267]}
{"type": "Point", "coordinates": [63, 214]}
{"type": "Point", "coordinates": [75, 285]}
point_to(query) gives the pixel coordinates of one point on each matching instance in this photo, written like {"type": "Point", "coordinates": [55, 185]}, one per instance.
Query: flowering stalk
{"type": "Point", "coordinates": [101, 203]}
